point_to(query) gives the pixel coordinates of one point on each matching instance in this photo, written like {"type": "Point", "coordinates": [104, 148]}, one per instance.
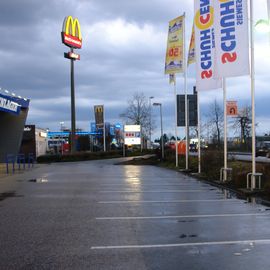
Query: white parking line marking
{"type": "Point", "coordinates": [186, 216]}
{"type": "Point", "coordinates": [152, 185]}
{"type": "Point", "coordinates": [152, 191]}
{"type": "Point", "coordinates": [175, 201]}
{"type": "Point", "coordinates": [241, 242]}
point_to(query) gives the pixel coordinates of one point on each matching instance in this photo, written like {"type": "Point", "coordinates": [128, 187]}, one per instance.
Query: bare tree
{"type": "Point", "coordinates": [216, 122]}
{"type": "Point", "coordinates": [243, 124]}
{"type": "Point", "coordinates": [138, 112]}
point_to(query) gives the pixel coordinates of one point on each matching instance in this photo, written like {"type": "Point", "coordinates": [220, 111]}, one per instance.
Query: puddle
{"type": "Point", "coordinates": [38, 180]}
{"type": "Point", "coordinates": [185, 236]}
{"type": "Point", "coordinates": [184, 221]}
{"type": "Point", "coordinates": [11, 194]}
{"type": "Point", "coordinates": [228, 194]}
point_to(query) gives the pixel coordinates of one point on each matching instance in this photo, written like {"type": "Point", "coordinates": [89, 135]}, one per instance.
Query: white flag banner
{"type": "Point", "coordinates": [231, 38]}
{"type": "Point", "coordinates": [205, 45]}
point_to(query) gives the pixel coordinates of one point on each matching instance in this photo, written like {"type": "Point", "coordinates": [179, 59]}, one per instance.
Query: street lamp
{"type": "Point", "coordinates": [61, 137]}
{"type": "Point", "coordinates": [263, 26]}
{"type": "Point", "coordinates": [150, 128]}
{"type": "Point", "coordinates": [161, 128]}
{"type": "Point", "coordinates": [47, 140]}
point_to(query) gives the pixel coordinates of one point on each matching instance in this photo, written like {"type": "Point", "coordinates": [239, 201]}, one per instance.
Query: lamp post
{"type": "Point", "coordinates": [61, 137]}
{"type": "Point", "coordinates": [161, 128]}
{"type": "Point", "coordinates": [150, 116]}
{"type": "Point", "coordinates": [263, 25]}
{"type": "Point", "coordinates": [47, 140]}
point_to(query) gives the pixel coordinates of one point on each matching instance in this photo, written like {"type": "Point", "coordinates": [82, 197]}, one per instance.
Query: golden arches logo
{"type": "Point", "coordinates": [98, 109]}
{"type": "Point", "coordinates": [205, 21]}
{"type": "Point", "coordinates": [71, 33]}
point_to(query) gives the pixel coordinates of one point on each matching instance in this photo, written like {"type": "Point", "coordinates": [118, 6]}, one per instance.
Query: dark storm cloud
{"type": "Point", "coordinates": [123, 52]}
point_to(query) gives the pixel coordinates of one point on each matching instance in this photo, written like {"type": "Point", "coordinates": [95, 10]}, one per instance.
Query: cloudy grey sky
{"type": "Point", "coordinates": [123, 52]}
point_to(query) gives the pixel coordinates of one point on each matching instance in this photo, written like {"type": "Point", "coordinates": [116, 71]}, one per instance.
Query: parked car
{"type": "Point", "coordinates": [263, 149]}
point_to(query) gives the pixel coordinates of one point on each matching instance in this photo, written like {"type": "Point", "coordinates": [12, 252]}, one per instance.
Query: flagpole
{"type": "Point", "coordinates": [185, 87]}
{"type": "Point", "coordinates": [176, 135]}
{"type": "Point", "coordinates": [252, 77]}
{"type": "Point", "coordinates": [225, 128]}
{"type": "Point", "coordinates": [268, 13]}
{"type": "Point", "coordinates": [199, 132]}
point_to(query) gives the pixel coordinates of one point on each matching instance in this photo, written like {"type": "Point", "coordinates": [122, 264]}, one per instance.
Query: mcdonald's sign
{"type": "Point", "coordinates": [99, 109]}
{"type": "Point", "coordinates": [71, 33]}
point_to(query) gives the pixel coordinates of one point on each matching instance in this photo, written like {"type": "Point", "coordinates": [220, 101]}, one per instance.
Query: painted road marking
{"type": "Point", "coordinates": [174, 201]}
{"type": "Point", "coordinates": [151, 185]}
{"type": "Point", "coordinates": [153, 191]}
{"type": "Point", "coordinates": [241, 242]}
{"type": "Point", "coordinates": [186, 216]}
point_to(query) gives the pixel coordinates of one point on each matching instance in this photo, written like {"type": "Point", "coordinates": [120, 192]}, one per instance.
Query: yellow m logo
{"type": "Point", "coordinates": [72, 27]}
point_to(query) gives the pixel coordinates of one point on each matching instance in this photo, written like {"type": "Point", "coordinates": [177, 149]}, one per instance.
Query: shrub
{"type": "Point", "coordinates": [212, 162]}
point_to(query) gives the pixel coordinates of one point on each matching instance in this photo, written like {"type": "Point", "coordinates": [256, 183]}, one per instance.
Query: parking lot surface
{"type": "Point", "coordinates": [97, 215]}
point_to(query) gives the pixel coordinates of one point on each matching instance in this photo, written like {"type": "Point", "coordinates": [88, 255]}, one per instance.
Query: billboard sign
{"type": "Point", "coordinates": [7, 104]}
{"type": "Point", "coordinates": [99, 116]}
{"type": "Point", "coordinates": [132, 134]}
{"type": "Point", "coordinates": [231, 108]}
{"type": "Point", "coordinates": [192, 110]}
{"type": "Point", "coordinates": [71, 33]}
{"type": "Point", "coordinates": [72, 55]}
{"type": "Point", "coordinates": [93, 127]}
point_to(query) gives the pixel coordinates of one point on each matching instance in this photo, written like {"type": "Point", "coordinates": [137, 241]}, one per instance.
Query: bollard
{"type": "Point", "coordinates": [21, 159]}
{"type": "Point", "coordinates": [30, 160]}
{"type": "Point", "coordinates": [10, 158]}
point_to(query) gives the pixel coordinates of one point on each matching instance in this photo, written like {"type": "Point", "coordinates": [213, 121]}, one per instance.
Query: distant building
{"type": "Point", "coordinates": [34, 141]}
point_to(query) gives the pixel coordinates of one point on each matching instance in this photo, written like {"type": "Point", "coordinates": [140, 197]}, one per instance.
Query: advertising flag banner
{"type": "Point", "coordinates": [191, 51]}
{"type": "Point", "coordinates": [231, 108]}
{"type": "Point", "coordinates": [205, 45]}
{"type": "Point", "coordinates": [231, 37]}
{"type": "Point", "coordinates": [174, 53]}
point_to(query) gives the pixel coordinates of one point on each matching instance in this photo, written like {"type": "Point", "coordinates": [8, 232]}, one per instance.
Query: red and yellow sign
{"type": "Point", "coordinates": [231, 108]}
{"type": "Point", "coordinates": [71, 33]}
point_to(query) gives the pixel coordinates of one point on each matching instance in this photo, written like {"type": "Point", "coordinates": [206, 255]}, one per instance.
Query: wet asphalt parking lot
{"type": "Point", "coordinates": [97, 215]}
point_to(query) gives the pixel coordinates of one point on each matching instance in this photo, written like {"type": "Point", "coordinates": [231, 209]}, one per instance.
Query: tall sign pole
{"type": "Point", "coordinates": [185, 89]}
{"type": "Point", "coordinates": [71, 37]}
{"type": "Point", "coordinates": [176, 134]}
{"type": "Point", "coordinates": [252, 96]}
{"type": "Point", "coordinates": [73, 115]}
{"type": "Point", "coordinates": [174, 61]}
{"type": "Point", "coordinates": [104, 131]}
{"type": "Point", "coordinates": [199, 132]}
{"type": "Point", "coordinates": [225, 129]}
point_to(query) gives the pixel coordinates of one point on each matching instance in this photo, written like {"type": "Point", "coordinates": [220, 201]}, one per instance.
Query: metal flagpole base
{"type": "Point", "coordinates": [253, 179]}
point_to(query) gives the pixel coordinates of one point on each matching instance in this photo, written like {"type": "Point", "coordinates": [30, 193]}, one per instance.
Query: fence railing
{"type": "Point", "coordinates": [20, 160]}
